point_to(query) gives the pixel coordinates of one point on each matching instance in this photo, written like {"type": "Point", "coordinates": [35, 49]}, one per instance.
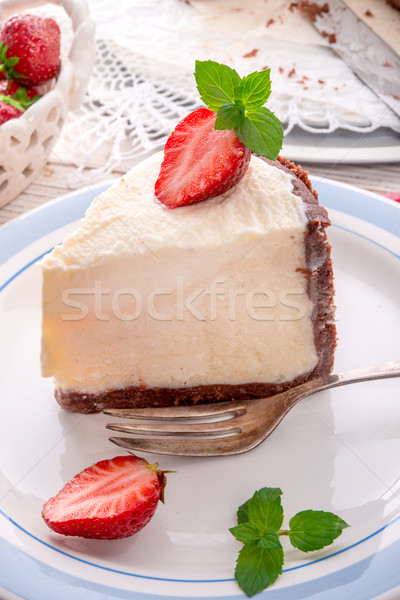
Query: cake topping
{"type": "Point", "coordinates": [209, 151]}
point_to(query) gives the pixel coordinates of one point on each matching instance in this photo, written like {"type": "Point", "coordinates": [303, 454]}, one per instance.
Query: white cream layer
{"type": "Point", "coordinates": [213, 293]}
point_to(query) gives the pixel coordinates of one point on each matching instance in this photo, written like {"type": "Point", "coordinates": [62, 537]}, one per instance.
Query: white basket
{"type": "Point", "coordinates": [25, 142]}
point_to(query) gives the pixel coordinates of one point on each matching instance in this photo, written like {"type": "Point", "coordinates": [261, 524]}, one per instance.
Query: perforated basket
{"type": "Point", "coordinates": [25, 142]}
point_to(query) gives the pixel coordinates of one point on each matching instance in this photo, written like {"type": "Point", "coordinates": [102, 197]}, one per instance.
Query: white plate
{"type": "Point", "coordinates": [336, 451]}
{"type": "Point", "coordinates": [347, 147]}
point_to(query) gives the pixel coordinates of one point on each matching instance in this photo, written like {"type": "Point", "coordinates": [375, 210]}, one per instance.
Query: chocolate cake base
{"type": "Point", "coordinates": [136, 397]}
{"type": "Point", "coordinates": [320, 288]}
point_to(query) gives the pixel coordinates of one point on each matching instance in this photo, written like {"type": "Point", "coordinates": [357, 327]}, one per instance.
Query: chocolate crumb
{"type": "Point", "coordinates": [368, 13]}
{"type": "Point", "coordinates": [251, 53]}
{"type": "Point", "coordinates": [387, 64]}
{"type": "Point", "coordinates": [281, 69]}
{"type": "Point", "coordinates": [331, 37]}
{"type": "Point", "coordinates": [312, 9]}
{"type": "Point", "coordinates": [269, 22]}
{"type": "Point", "coordinates": [292, 72]}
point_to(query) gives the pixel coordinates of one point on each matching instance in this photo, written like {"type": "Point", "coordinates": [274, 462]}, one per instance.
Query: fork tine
{"type": "Point", "coordinates": [226, 427]}
{"type": "Point", "coordinates": [216, 447]}
{"type": "Point", "coordinates": [178, 412]}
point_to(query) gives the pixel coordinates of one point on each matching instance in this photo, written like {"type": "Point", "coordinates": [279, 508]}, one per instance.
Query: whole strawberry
{"type": "Point", "coordinates": [112, 499]}
{"type": "Point", "coordinates": [35, 42]}
{"type": "Point", "coordinates": [200, 162]}
{"type": "Point", "coordinates": [8, 111]}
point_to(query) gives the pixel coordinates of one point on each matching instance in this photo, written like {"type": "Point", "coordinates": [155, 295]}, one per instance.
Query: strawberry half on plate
{"type": "Point", "coordinates": [112, 499]}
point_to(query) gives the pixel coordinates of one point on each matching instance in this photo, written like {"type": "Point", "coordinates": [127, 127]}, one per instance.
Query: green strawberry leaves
{"type": "Point", "coordinates": [7, 64]}
{"type": "Point", "coordinates": [260, 518]}
{"type": "Point", "coordinates": [11, 102]}
{"type": "Point", "coordinates": [239, 104]}
{"type": "Point", "coordinates": [20, 99]}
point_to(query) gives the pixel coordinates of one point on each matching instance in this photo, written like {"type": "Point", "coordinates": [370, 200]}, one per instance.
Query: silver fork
{"type": "Point", "coordinates": [224, 428]}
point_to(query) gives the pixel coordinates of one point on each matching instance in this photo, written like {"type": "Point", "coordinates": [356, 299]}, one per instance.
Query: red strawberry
{"type": "Point", "coordinates": [7, 112]}
{"type": "Point", "coordinates": [35, 41]}
{"type": "Point", "coordinates": [112, 499]}
{"type": "Point", "coordinates": [9, 87]}
{"type": "Point", "coordinates": [199, 161]}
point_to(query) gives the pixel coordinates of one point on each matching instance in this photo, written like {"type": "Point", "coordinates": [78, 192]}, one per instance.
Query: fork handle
{"type": "Point", "coordinates": [385, 371]}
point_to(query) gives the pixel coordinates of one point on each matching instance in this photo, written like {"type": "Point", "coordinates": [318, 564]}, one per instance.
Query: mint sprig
{"type": "Point", "coordinates": [260, 519]}
{"type": "Point", "coordinates": [239, 104]}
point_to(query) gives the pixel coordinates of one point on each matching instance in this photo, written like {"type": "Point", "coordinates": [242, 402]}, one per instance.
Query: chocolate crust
{"type": "Point", "coordinates": [141, 397]}
{"type": "Point", "coordinates": [320, 289]}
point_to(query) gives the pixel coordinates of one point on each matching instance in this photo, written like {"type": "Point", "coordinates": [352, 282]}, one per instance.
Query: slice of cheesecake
{"type": "Point", "coordinates": [229, 298]}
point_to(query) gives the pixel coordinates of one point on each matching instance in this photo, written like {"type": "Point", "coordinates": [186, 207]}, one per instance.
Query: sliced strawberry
{"type": "Point", "coordinates": [7, 112]}
{"type": "Point", "coordinates": [35, 42]}
{"type": "Point", "coordinates": [199, 161]}
{"type": "Point", "coordinates": [112, 499]}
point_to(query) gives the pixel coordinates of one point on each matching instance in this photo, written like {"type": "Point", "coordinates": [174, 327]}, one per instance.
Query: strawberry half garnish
{"type": "Point", "coordinates": [112, 499]}
{"type": "Point", "coordinates": [200, 162]}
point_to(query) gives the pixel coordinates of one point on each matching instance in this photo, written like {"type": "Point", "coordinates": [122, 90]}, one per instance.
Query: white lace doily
{"type": "Point", "coordinates": [143, 83]}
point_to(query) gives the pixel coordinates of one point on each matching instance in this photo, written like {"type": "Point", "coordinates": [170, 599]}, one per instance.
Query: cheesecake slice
{"type": "Point", "coordinates": [225, 299]}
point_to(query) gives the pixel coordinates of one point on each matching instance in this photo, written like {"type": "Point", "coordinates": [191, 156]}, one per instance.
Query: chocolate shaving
{"type": "Point", "coordinates": [251, 53]}
{"type": "Point", "coordinates": [330, 36]}
{"type": "Point", "coordinates": [312, 9]}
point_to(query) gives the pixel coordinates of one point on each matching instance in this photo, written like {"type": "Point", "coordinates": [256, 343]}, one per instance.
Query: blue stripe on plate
{"type": "Point", "coordinates": [32, 579]}
{"type": "Point", "coordinates": [367, 206]}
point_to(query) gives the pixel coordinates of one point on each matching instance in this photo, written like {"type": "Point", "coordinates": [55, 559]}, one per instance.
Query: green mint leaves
{"type": "Point", "coordinates": [260, 519]}
{"type": "Point", "coordinates": [239, 104]}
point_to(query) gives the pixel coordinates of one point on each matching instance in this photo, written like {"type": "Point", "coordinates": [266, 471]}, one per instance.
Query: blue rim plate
{"type": "Point", "coordinates": [352, 472]}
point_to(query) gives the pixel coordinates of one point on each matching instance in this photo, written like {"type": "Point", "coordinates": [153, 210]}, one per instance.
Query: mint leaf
{"type": "Point", "coordinates": [229, 116]}
{"type": "Point", "coordinates": [262, 132]}
{"type": "Point", "coordinates": [217, 84]}
{"type": "Point", "coordinates": [265, 509]}
{"type": "Point", "coordinates": [255, 89]}
{"type": "Point", "coordinates": [269, 540]}
{"type": "Point", "coordinates": [257, 568]}
{"type": "Point", "coordinates": [246, 533]}
{"type": "Point", "coordinates": [314, 529]}
{"type": "Point", "coordinates": [243, 512]}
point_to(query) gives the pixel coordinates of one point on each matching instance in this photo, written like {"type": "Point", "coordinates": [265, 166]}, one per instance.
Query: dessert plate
{"type": "Point", "coordinates": [336, 451]}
